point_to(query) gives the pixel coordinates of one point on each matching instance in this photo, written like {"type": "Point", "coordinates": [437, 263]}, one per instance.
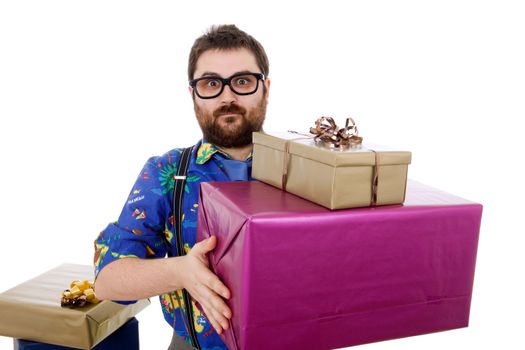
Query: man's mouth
{"type": "Point", "coordinates": [230, 117]}
{"type": "Point", "coordinates": [229, 112]}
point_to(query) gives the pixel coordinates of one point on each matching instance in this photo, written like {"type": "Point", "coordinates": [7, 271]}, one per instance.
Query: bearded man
{"type": "Point", "coordinates": [228, 81]}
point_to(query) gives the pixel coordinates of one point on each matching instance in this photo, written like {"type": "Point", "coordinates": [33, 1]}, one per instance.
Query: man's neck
{"type": "Point", "coordinates": [238, 153]}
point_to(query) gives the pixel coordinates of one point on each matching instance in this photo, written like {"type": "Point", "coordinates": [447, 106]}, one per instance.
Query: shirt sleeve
{"type": "Point", "coordinates": [139, 231]}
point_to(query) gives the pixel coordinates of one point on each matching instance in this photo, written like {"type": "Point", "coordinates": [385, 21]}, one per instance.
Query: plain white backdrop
{"type": "Point", "coordinates": [90, 90]}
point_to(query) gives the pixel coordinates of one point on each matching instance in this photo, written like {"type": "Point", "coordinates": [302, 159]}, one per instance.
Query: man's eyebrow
{"type": "Point", "coordinates": [213, 74]}
{"type": "Point", "coordinates": [208, 73]}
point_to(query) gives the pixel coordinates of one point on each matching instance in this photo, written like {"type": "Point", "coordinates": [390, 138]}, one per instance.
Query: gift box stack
{"type": "Point", "coordinates": [396, 258]}
{"type": "Point", "coordinates": [35, 315]}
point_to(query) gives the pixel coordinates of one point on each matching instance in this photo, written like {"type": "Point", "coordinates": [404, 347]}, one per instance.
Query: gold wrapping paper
{"type": "Point", "coordinates": [335, 179]}
{"type": "Point", "coordinates": [32, 311]}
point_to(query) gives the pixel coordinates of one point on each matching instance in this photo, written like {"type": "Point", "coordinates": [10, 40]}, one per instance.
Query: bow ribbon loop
{"type": "Point", "coordinates": [330, 135]}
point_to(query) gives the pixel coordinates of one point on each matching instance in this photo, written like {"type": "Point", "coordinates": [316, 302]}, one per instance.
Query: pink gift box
{"type": "Point", "coordinates": [304, 277]}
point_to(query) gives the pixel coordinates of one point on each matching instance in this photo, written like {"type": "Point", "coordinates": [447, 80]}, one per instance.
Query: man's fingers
{"type": "Point", "coordinates": [213, 322]}
{"type": "Point", "coordinates": [220, 306]}
{"type": "Point", "coordinates": [215, 316]}
{"type": "Point", "coordinates": [213, 313]}
{"type": "Point", "coordinates": [214, 283]}
{"type": "Point", "coordinates": [214, 307]}
{"type": "Point", "coordinates": [212, 301]}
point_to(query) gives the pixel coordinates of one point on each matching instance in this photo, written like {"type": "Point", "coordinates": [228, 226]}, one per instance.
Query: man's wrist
{"type": "Point", "coordinates": [174, 270]}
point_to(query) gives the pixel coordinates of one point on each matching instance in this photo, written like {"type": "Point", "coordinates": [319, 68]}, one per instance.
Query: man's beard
{"type": "Point", "coordinates": [231, 135]}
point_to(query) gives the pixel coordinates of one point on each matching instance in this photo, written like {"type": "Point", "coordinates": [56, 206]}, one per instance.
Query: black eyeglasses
{"type": "Point", "coordinates": [212, 86]}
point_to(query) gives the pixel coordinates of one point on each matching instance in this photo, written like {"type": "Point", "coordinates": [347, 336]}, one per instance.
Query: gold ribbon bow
{"type": "Point", "coordinates": [330, 135]}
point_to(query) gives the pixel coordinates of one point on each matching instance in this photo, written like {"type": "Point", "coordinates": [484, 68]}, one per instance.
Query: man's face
{"type": "Point", "coordinates": [228, 120]}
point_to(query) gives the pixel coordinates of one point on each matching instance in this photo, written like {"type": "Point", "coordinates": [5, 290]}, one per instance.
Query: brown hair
{"type": "Point", "coordinates": [227, 37]}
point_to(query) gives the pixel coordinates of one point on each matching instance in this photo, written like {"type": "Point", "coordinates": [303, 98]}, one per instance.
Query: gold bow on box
{"type": "Point", "coordinates": [328, 134]}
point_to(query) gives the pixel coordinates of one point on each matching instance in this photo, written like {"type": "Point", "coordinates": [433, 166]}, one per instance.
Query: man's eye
{"type": "Point", "coordinates": [212, 83]}
{"type": "Point", "coordinates": [244, 80]}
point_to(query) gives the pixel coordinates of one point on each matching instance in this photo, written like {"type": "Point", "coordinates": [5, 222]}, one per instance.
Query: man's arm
{"type": "Point", "coordinates": [134, 278]}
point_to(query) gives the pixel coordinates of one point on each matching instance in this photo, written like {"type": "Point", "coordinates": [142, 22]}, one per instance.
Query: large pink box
{"type": "Point", "coordinates": [304, 277]}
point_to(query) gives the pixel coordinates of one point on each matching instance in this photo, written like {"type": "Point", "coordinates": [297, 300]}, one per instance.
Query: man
{"type": "Point", "coordinates": [228, 72]}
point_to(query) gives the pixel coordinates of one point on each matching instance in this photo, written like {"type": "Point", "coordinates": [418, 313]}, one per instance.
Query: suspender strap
{"type": "Point", "coordinates": [178, 193]}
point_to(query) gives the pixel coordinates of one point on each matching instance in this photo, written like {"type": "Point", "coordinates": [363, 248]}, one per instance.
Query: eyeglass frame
{"type": "Point", "coordinates": [226, 81]}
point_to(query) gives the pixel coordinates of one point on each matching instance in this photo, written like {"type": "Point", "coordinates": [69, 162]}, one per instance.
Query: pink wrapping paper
{"type": "Point", "coordinates": [304, 277]}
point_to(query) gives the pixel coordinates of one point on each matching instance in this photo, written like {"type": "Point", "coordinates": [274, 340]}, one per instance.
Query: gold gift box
{"type": "Point", "coordinates": [333, 178]}
{"type": "Point", "coordinates": [32, 311]}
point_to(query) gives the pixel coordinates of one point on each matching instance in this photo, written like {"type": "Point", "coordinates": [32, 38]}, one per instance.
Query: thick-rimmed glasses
{"type": "Point", "coordinates": [240, 83]}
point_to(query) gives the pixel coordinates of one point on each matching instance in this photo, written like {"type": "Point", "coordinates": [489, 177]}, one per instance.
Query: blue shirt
{"type": "Point", "coordinates": [147, 218]}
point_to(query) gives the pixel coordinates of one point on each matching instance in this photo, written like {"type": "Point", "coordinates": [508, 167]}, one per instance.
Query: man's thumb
{"type": "Point", "coordinates": [208, 244]}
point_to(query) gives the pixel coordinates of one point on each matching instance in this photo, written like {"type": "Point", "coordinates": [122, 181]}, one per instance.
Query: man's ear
{"type": "Point", "coordinates": [267, 84]}
{"type": "Point", "coordinates": [190, 89]}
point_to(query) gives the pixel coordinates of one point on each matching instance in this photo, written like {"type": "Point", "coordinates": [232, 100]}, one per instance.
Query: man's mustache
{"type": "Point", "coordinates": [229, 109]}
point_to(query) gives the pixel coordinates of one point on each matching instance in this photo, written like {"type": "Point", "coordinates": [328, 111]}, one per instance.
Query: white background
{"type": "Point", "coordinates": [90, 90]}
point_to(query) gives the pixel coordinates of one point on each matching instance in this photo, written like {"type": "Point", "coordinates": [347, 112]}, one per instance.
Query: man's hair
{"type": "Point", "coordinates": [227, 37]}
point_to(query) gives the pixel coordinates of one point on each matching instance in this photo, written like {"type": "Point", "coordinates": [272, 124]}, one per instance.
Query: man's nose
{"type": "Point", "coordinates": [228, 96]}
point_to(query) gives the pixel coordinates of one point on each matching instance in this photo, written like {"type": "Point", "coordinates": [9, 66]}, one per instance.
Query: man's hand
{"type": "Point", "coordinates": [204, 286]}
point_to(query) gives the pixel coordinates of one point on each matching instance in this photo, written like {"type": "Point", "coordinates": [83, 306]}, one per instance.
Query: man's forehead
{"type": "Point", "coordinates": [226, 62]}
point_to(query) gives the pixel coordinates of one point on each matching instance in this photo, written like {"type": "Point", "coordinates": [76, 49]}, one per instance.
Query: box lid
{"type": "Point", "coordinates": [306, 147]}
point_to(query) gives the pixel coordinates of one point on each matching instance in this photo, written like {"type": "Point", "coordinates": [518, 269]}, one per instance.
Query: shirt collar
{"type": "Point", "coordinates": [207, 150]}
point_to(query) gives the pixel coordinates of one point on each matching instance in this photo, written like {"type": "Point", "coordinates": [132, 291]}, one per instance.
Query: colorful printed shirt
{"type": "Point", "coordinates": [147, 218]}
